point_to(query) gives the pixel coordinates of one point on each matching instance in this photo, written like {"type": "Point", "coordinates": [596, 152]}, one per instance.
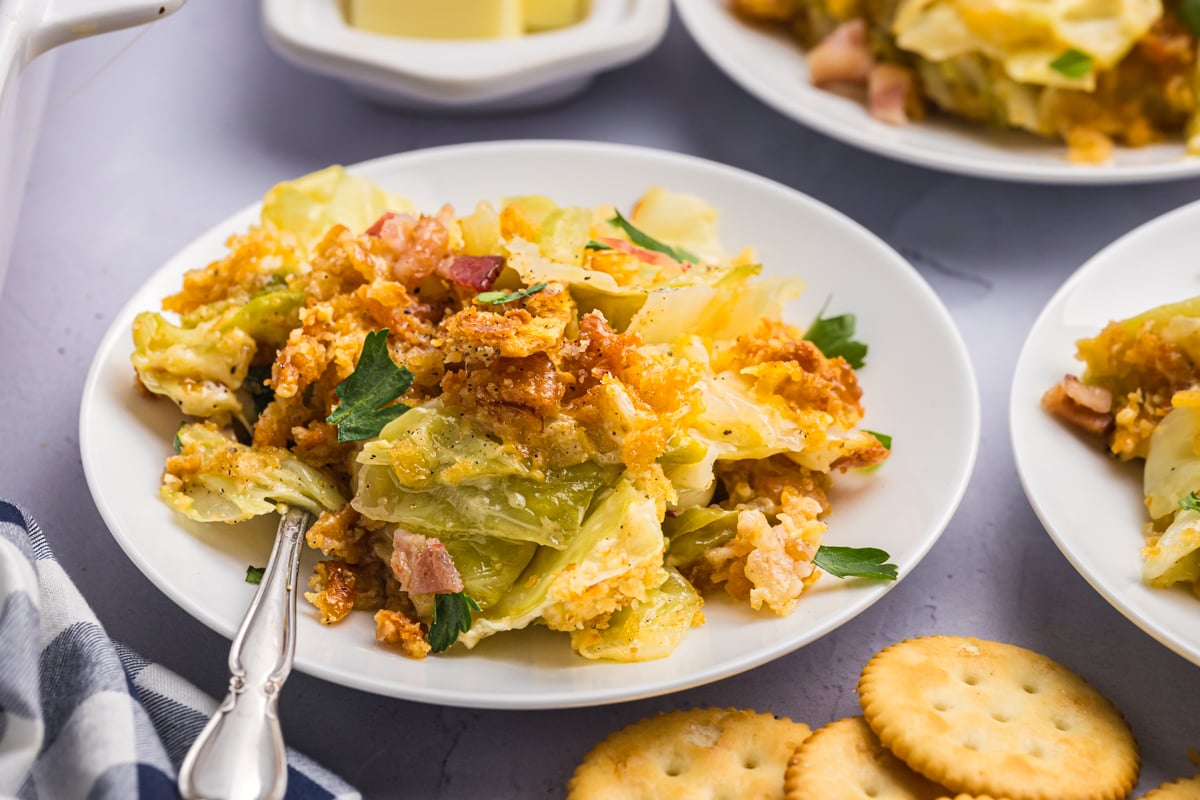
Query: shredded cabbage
{"type": "Point", "coordinates": [310, 205]}
{"type": "Point", "coordinates": [614, 558]}
{"type": "Point", "coordinates": [215, 479]}
{"type": "Point", "coordinates": [199, 368]}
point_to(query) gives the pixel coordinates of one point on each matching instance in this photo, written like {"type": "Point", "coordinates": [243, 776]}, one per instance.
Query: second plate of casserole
{"type": "Point", "coordinates": [1091, 503]}
{"type": "Point", "coordinates": [771, 64]}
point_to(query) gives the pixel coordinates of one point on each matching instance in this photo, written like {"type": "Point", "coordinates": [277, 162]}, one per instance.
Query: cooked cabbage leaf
{"type": "Point", "coordinates": [614, 557]}
{"type": "Point", "coordinates": [1172, 463]}
{"type": "Point", "coordinates": [270, 316]}
{"type": "Point", "coordinates": [216, 479]}
{"type": "Point", "coordinates": [688, 464]}
{"type": "Point", "coordinates": [310, 205]}
{"type": "Point", "coordinates": [730, 308]}
{"type": "Point", "coordinates": [429, 447]}
{"type": "Point", "coordinates": [431, 474]}
{"type": "Point", "coordinates": [199, 368]}
{"type": "Point", "coordinates": [548, 511]}
{"type": "Point", "coordinates": [488, 566]}
{"type": "Point", "coordinates": [683, 220]}
{"type": "Point", "coordinates": [1174, 557]}
{"type": "Point", "coordinates": [646, 629]}
{"type": "Point", "coordinates": [695, 530]}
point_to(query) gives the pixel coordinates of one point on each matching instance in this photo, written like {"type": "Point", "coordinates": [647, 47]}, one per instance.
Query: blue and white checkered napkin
{"type": "Point", "coordinates": [82, 716]}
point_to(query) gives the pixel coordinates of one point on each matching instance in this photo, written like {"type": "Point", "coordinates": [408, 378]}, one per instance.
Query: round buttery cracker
{"type": "Point", "coordinates": [989, 718]}
{"type": "Point", "coordinates": [846, 761]}
{"type": "Point", "coordinates": [1182, 789]}
{"type": "Point", "coordinates": [697, 752]}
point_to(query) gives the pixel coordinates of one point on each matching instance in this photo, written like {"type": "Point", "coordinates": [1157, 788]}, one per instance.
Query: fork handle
{"type": "Point", "coordinates": [240, 754]}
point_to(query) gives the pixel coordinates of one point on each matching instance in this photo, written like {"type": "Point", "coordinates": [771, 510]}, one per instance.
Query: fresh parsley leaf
{"type": "Point", "coordinates": [375, 382]}
{"type": "Point", "coordinates": [451, 616]}
{"type": "Point", "coordinates": [648, 242]}
{"type": "Point", "coordinates": [594, 245]}
{"type": "Point", "coordinates": [883, 438]}
{"type": "Point", "coordinates": [1189, 12]}
{"type": "Point", "coordinates": [1072, 63]}
{"type": "Point", "coordinates": [855, 562]}
{"type": "Point", "coordinates": [1190, 503]}
{"type": "Point", "coordinates": [176, 443]}
{"type": "Point", "coordinates": [254, 574]}
{"type": "Point", "coordinates": [499, 298]}
{"type": "Point", "coordinates": [834, 336]}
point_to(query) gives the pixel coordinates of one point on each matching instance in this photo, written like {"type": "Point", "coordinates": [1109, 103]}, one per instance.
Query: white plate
{"type": "Point", "coordinates": [903, 507]}
{"type": "Point", "coordinates": [1091, 504]}
{"type": "Point", "coordinates": [771, 66]}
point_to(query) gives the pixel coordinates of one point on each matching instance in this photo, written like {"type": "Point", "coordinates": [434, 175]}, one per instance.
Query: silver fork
{"type": "Point", "coordinates": [240, 754]}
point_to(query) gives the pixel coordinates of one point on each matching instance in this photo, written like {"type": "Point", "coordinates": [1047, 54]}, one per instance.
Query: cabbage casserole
{"type": "Point", "coordinates": [530, 413]}
{"type": "Point", "coordinates": [1140, 395]}
{"type": "Point", "coordinates": [1092, 73]}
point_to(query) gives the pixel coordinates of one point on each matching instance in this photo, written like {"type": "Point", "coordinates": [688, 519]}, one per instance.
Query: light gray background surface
{"type": "Point", "coordinates": [152, 137]}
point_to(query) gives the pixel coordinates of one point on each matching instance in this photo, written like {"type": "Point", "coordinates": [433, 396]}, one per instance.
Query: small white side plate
{"type": "Point", "coordinates": [485, 74]}
{"type": "Point", "coordinates": [903, 507]}
{"type": "Point", "coordinates": [771, 66]}
{"type": "Point", "coordinates": [1091, 504]}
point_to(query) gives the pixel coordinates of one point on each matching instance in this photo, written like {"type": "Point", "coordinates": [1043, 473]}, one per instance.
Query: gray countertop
{"type": "Point", "coordinates": [151, 137]}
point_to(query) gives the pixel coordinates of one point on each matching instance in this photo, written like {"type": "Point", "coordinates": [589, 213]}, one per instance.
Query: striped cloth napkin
{"type": "Point", "coordinates": [82, 716]}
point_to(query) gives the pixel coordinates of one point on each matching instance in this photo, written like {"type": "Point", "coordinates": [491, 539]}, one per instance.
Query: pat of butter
{"type": "Point", "coordinates": [442, 19]}
{"type": "Point", "coordinates": [545, 15]}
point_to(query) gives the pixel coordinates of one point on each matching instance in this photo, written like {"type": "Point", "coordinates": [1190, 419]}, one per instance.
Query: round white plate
{"type": "Point", "coordinates": [1091, 504]}
{"type": "Point", "coordinates": [771, 66]}
{"type": "Point", "coordinates": [902, 507]}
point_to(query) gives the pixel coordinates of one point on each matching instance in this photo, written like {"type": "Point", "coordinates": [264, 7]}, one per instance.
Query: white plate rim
{"type": "Point", "coordinates": [1077, 555]}
{"type": "Point", "coordinates": [1033, 172]}
{"type": "Point", "coordinates": [566, 699]}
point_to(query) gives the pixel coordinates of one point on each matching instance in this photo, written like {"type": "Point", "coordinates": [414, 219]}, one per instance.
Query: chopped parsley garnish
{"type": "Point", "coordinates": [365, 395]}
{"type": "Point", "coordinates": [855, 562]}
{"type": "Point", "coordinates": [1190, 503]}
{"type": "Point", "coordinates": [1189, 12]}
{"type": "Point", "coordinates": [648, 242]}
{"type": "Point", "coordinates": [176, 443]}
{"type": "Point", "coordinates": [254, 574]}
{"type": "Point", "coordinates": [451, 616]}
{"type": "Point", "coordinates": [594, 245]}
{"type": "Point", "coordinates": [883, 438]}
{"type": "Point", "coordinates": [1073, 63]}
{"type": "Point", "coordinates": [499, 298]}
{"type": "Point", "coordinates": [834, 336]}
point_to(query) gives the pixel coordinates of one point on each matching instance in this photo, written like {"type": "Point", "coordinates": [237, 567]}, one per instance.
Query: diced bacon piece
{"type": "Point", "coordinates": [418, 245]}
{"type": "Point", "coordinates": [648, 256]}
{"type": "Point", "coordinates": [475, 272]}
{"type": "Point", "coordinates": [1093, 398]}
{"type": "Point", "coordinates": [1076, 403]}
{"type": "Point", "coordinates": [377, 225]}
{"type": "Point", "coordinates": [842, 56]}
{"type": "Point", "coordinates": [888, 89]}
{"type": "Point", "coordinates": [422, 565]}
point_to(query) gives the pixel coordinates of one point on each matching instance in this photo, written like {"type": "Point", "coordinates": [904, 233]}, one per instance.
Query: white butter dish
{"type": "Point", "coordinates": [465, 74]}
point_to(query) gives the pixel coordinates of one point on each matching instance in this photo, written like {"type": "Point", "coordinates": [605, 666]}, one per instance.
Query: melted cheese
{"type": "Point", "coordinates": [1026, 35]}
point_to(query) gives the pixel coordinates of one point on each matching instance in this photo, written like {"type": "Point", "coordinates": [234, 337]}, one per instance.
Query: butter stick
{"type": "Point", "coordinates": [444, 19]}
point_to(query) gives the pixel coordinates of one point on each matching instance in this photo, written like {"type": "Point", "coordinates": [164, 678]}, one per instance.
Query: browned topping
{"type": "Point", "coordinates": [402, 631]}
{"type": "Point", "coordinates": [338, 534]}
{"type": "Point", "coordinates": [333, 590]}
{"type": "Point", "coordinates": [763, 482]}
